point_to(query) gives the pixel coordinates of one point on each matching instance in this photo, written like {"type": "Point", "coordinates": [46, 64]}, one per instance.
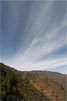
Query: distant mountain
{"type": "Point", "coordinates": [31, 86]}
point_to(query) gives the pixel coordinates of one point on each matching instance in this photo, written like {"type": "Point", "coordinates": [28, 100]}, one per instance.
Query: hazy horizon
{"type": "Point", "coordinates": [33, 34]}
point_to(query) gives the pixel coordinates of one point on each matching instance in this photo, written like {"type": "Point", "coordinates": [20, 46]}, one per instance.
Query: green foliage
{"type": "Point", "coordinates": [57, 97]}
{"type": "Point", "coordinates": [8, 85]}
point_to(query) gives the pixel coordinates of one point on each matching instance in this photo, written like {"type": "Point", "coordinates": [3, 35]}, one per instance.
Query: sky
{"type": "Point", "coordinates": [33, 34]}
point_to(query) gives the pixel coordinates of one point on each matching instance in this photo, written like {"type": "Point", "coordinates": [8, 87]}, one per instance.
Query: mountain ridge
{"type": "Point", "coordinates": [44, 85]}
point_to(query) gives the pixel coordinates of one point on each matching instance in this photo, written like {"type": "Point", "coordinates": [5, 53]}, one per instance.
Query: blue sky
{"type": "Point", "coordinates": [33, 34]}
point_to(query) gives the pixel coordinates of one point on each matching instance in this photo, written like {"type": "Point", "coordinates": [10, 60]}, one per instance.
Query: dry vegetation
{"type": "Point", "coordinates": [31, 86]}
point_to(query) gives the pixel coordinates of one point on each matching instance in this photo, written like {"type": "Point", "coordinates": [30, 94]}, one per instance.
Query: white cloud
{"type": "Point", "coordinates": [43, 42]}
{"type": "Point", "coordinates": [42, 65]}
{"type": "Point", "coordinates": [37, 48]}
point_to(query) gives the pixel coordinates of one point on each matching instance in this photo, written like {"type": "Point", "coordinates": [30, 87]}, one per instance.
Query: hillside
{"type": "Point", "coordinates": [32, 85]}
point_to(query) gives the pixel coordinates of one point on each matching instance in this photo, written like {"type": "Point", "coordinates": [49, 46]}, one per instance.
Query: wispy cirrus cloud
{"type": "Point", "coordinates": [40, 30]}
